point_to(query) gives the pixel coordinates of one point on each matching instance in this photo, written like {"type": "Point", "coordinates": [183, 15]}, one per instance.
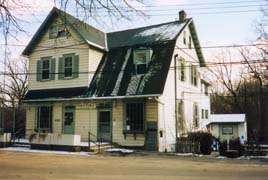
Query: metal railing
{"type": "Point", "coordinates": [96, 142]}
{"type": "Point", "coordinates": [18, 134]}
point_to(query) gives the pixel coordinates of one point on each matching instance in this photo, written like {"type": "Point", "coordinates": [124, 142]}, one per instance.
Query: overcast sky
{"type": "Point", "coordinates": [217, 22]}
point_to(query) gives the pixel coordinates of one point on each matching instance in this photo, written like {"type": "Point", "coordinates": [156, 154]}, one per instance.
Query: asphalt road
{"type": "Point", "coordinates": [41, 166]}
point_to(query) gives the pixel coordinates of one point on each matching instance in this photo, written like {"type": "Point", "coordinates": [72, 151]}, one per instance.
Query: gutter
{"type": "Point", "coordinates": [91, 98]}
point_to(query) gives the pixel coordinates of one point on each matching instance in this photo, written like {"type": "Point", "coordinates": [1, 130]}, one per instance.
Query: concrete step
{"type": "Point", "coordinates": [21, 145]}
{"type": "Point", "coordinates": [102, 148]}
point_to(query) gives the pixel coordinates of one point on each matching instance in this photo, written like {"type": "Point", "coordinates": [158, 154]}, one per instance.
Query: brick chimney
{"type": "Point", "coordinates": [182, 15]}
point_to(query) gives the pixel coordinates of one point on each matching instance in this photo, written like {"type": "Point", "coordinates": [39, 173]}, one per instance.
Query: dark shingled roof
{"type": "Point", "coordinates": [56, 93]}
{"type": "Point", "coordinates": [88, 33]}
{"type": "Point", "coordinates": [115, 75]}
{"type": "Point", "coordinates": [146, 35]}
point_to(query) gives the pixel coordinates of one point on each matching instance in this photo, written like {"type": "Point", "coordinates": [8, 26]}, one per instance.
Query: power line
{"type": "Point", "coordinates": [130, 70]}
{"type": "Point", "coordinates": [203, 47]}
{"type": "Point", "coordinates": [161, 10]}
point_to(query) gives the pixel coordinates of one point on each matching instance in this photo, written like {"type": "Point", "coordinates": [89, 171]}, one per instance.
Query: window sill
{"type": "Point", "coordinates": [134, 132]}
{"type": "Point", "coordinates": [67, 78]}
{"type": "Point", "coordinates": [44, 80]}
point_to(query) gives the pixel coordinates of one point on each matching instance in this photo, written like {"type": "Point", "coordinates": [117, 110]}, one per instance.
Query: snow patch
{"type": "Point", "coordinates": [163, 32]}
{"type": "Point", "coordinates": [120, 150]}
{"type": "Point", "coordinates": [25, 149]}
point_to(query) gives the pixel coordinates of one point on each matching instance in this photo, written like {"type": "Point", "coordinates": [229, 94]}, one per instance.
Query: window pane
{"type": "Point", "coordinates": [141, 58]}
{"type": "Point", "coordinates": [45, 74]}
{"type": "Point", "coordinates": [68, 62]}
{"type": "Point", "coordinates": [68, 72]}
{"type": "Point", "coordinates": [141, 68]}
{"type": "Point", "coordinates": [45, 64]}
{"type": "Point", "coordinates": [68, 118]}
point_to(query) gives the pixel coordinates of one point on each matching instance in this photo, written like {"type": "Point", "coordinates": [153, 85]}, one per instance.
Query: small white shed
{"type": "Point", "coordinates": [232, 126]}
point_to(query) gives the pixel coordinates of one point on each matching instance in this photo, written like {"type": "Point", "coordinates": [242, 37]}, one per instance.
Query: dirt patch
{"type": "Point", "coordinates": [37, 166]}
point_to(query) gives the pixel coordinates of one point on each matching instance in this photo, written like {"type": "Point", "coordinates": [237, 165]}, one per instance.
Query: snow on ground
{"type": "Point", "coordinates": [187, 154]}
{"type": "Point", "coordinates": [27, 149]}
{"type": "Point", "coordinates": [120, 150]}
{"type": "Point", "coordinates": [22, 140]}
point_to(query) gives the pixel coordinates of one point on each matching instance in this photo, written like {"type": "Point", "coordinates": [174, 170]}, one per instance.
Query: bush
{"type": "Point", "coordinates": [204, 138]}
{"type": "Point", "coordinates": [234, 145]}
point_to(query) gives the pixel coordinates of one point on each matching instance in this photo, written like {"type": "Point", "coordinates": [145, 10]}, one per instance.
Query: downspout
{"type": "Point", "coordinates": [176, 108]}
{"type": "Point", "coordinates": [164, 123]}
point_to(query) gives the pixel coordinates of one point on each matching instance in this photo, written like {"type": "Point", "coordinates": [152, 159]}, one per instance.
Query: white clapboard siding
{"type": "Point", "coordinates": [45, 48]}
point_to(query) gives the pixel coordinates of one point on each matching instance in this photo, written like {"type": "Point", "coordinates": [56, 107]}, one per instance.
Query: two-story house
{"type": "Point", "coordinates": [137, 87]}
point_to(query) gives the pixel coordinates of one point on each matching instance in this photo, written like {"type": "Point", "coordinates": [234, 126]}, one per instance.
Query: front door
{"type": "Point", "coordinates": [104, 133]}
{"type": "Point", "coordinates": [68, 120]}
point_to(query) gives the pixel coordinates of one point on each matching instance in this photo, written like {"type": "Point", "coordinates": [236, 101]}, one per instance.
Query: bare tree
{"type": "Point", "coordinates": [10, 21]}
{"type": "Point", "coordinates": [258, 70]}
{"type": "Point", "coordinates": [15, 88]}
{"type": "Point", "coordinates": [228, 77]}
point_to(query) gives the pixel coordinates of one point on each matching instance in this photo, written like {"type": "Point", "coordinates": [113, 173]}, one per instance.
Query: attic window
{"type": "Point", "coordinates": [141, 57]}
{"type": "Point", "coordinates": [57, 31]}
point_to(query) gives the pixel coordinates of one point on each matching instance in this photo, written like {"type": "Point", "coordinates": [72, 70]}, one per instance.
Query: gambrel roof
{"type": "Point", "coordinates": [115, 74]}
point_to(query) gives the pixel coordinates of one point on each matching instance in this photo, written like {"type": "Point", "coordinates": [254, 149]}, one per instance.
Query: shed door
{"type": "Point", "coordinates": [151, 136]}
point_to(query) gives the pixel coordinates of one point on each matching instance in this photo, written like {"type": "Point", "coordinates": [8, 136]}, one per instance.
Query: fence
{"type": "Point", "coordinates": [186, 146]}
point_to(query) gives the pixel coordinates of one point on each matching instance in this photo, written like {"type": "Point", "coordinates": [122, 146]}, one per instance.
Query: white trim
{"type": "Point", "coordinates": [96, 45]}
{"type": "Point", "coordinates": [93, 98]}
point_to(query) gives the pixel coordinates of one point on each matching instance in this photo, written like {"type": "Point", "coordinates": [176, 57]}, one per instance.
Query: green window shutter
{"type": "Point", "coordinates": [39, 71]}
{"type": "Point", "coordinates": [76, 67]}
{"type": "Point", "coordinates": [52, 68]}
{"type": "Point", "coordinates": [61, 68]}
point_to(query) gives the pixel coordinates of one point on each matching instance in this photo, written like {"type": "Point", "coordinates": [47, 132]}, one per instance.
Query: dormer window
{"type": "Point", "coordinates": [141, 57]}
{"type": "Point", "coordinates": [57, 31]}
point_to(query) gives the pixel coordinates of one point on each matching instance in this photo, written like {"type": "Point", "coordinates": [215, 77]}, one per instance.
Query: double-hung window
{"type": "Point", "coordinates": [180, 116]}
{"type": "Point", "coordinates": [193, 75]}
{"type": "Point", "coordinates": [206, 114]}
{"type": "Point", "coordinates": [44, 118]}
{"type": "Point", "coordinates": [46, 69]}
{"type": "Point", "coordinates": [141, 57]}
{"type": "Point", "coordinates": [68, 66]}
{"type": "Point", "coordinates": [134, 117]}
{"type": "Point", "coordinates": [181, 69]}
{"type": "Point", "coordinates": [203, 114]}
{"type": "Point", "coordinates": [195, 115]}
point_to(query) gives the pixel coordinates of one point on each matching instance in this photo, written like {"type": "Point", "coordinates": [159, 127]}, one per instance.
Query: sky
{"type": "Point", "coordinates": [225, 22]}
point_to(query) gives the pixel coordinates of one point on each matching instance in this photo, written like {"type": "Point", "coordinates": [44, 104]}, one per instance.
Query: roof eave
{"type": "Point", "coordinates": [91, 98]}
{"type": "Point", "coordinates": [197, 44]}
{"type": "Point", "coordinates": [28, 48]}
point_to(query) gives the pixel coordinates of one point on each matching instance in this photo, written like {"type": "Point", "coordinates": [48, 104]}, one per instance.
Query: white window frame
{"type": "Point", "coordinates": [148, 55]}
{"type": "Point", "coordinates": [64, 67]}
{"type": "Point", "coordinates": [47, 69]}
{"type": "Point", "coordinates": [55, 31]}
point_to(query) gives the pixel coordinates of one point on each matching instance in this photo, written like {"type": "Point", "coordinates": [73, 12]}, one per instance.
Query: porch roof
{"type": "Point", "coordinates": [228, 118]}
